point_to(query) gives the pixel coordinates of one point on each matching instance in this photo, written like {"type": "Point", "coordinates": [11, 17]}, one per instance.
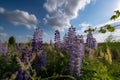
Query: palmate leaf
{"type": "Point", "coordinates": [85, 31]}
{"type": "Point", "coordinates": [110, 28]}
{"type": "Point", "coordinates": [102, 30]}
{"type": "Point", "coordinates": [117, 13]}
{"type": "Point", "coordinates": [114, 17]}
{"type": "Point", "coordinates": [89, 30]}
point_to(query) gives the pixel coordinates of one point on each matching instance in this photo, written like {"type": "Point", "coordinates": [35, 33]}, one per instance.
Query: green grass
{"type": "Point", "coordinates": [58, 65]}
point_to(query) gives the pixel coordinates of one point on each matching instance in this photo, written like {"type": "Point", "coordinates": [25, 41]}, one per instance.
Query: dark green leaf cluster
{"type": "Point", "coordinates": [116, 15]}
{"type": "Point", "coordinates": [12, 40]}
{"type": "Point", "coordinates": [89, 30]}
{"type": "Point", "coordinates": [107, 27]}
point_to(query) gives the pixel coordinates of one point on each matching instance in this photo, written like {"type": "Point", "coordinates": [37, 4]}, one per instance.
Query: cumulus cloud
{"type": "Point", "coordinates": [3, 34]}
{"type": "Point", "coordinates": [47, 37]}
{"type": "Point", "coordinates": [61, 12]}
{"type": "Point", "coordinates": [2, 10]}
{"type": "Point", "coordinates": [19, 17]}
{"type": "Point", "coordinates": [84, 26]}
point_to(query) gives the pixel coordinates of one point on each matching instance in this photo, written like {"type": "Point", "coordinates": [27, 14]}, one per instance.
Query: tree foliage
{"type": "Point", "coordinates": [12, 40]}
{"type": "Point", "coordinates": [116, 15]}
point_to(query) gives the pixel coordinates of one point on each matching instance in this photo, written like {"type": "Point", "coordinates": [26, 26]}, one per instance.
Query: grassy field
{"type": "Point", "coordinates": [94, 66]}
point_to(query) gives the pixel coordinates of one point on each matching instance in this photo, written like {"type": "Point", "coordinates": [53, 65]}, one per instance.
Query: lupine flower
{"type": "Point", "coordinates": [26, 75]}
{"type": "Point", "coordinates": [43, 59]}
{"type": "Point", "coordinates": [90, 41]}
{"type": "Point", "coordinates": [40, 62]}
{"type": "Point", "coordinates": [71, 41]}
{"type": "Point", "coordinates": [76, 48]}
{"type": "Point", "coordinates": [40, 54]}
{"type": "Point", "coordinates": [37, 40]}
{"type": "Point", "coordinates": [20, 74]}
{"type": "Point", "coordinates": [57, 39]}
{"type": "Point", "coordinates": [23, 55]}
{"type": "Point", "coordinates": [26, 56]}
{"type": "Point", "coordinates": [29, 55]}
{"type": "Point", "coordinates": [79, 51]}
{"type": "Point", "coordinates": [66, 41]}
{"type": "Point", "coordinates": [23, 75]}
{"type": "Point", "coordinates": [1, 46]}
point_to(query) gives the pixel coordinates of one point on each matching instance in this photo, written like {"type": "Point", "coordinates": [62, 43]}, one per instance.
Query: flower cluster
{"type": "Point", "coordinates": [23, 75]}
{"type": "Point", "coordinates": [37, 40]}
{"type": "Point", "coordinates": [57, 39]}
{"type": "Point", "coordinates": [37, 48]}
{"type": "Point", "coordinates": [91, 41]}
{"type": "Point", "coordinates": [76, 49]}
{"type": "Point", "coordinates": [65, 41]}
{"type": "Point", "coordinates": [0, 46]}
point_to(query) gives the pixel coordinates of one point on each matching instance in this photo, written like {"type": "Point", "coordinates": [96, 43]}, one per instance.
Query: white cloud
{"type": "Point", "coordinates": [61, 12]}
{"type": "Point", "coordinates": [117, 5]}
{"type": "Point", "coordinates": [47, 37]}
{"type": "Point", "coordinates": [84, 26]}
{"type": "Point", "coordinates": [3, 34]}
{"type": "Point", "coordinates": [2, 10]}
{"type": "Point", "coordinates": [19, 17]}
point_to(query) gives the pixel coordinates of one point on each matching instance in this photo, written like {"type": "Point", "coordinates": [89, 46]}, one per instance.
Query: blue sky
{"type": "Point", "coordinates": [19, 18]}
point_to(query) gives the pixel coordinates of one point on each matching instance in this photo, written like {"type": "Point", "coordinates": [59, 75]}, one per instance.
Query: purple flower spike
{"type": "Point", "coordinates": [76, 49]}
{"type": "Point", "coordinates": [57, 39]}
{"type": "Point", "coordinates": [37, 40]}
{"type": "Point", "coordinates": [90, 41]}
{"type": "Point", "coordinates": [0, 46]}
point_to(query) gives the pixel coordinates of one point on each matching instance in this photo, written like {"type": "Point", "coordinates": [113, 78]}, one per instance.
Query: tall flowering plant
{"type": "Point", "coordinates": [0, 46]}
{"type": "Point", "coordinates": [76, 48]}
{"type": "Point", "coordinates": [65, 41]}
{"type": "Point", "coordinates": [57, 39]}
{"type": "Point", "coordinates": [91, 41]}
{"type": "Point", "coordinates": [37, 40]}
{"type": "Point", "coordinates": [37, 48]}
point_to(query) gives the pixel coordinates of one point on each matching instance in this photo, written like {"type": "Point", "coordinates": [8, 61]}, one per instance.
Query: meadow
{"type": "Point", "coordinates": [54, 65]}
{"type": "Point", "coordinates": [70, 59]}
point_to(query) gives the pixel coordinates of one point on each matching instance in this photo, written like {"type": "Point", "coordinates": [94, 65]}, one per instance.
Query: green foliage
{"type": "Point", "coordinates": [58, 65]}
{"type": "Point", "coordinates": [110, 28]}
{"type": "Point", "coordinates": [109, 39]}
{"type": "Point", "coordinates": [57, 61]}
{"type": "Point", "coordinates": [8, 66]}
{"type": "Point", "coordinates": [12, 40]}
{"type": "Point", "coordinates": [94, 70]}
{"type": "Point", "coordinates": [102, 30]}
{"type": "Point", "coordinates": [106, 28]}
{"type": "Point", "coordinates": [116, 16]}
{"type": "Point", "coordinates": [90, 30]}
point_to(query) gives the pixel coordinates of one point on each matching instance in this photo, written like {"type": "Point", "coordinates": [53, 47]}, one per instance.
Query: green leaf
{"type": "Point", "coordinates": [102, 30]}
{"type": "Point", "coordinates": [114, 17]}
{"type": "Point", "coordinates": [117, 13]}
{"type": "Point", "coordinates": [111, 29]}
{"type": "Point", "coordinates": [85, 31]}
